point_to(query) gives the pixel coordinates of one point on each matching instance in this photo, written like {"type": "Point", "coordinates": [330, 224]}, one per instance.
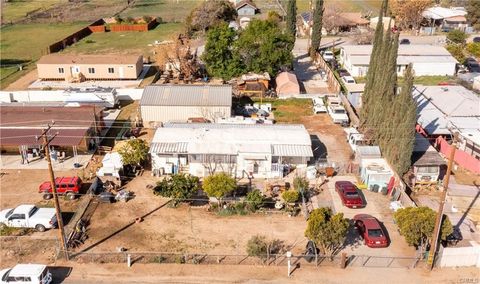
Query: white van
{"type": "Point", "coordinates": [26, 273]}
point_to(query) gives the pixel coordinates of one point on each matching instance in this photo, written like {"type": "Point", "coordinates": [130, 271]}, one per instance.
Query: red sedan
{"type": "Point", "coordinates": [369, 228]}
{"type": "Point", "coordinates": [349, 194]}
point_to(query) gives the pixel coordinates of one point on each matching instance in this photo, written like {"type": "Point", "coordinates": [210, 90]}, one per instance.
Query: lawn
{"type": "Point", "coordinates": [168, 10]}
{"type": "Point", "coordinates": [420, 80]}
{"type": "Point", "coordinates": [289, 110]}
{"type": "Point", "coordinates": [16, 10]}
{"type": "Point", "coordinates": [344, 5]}
{"type": "Point", "coordinates": [120, 42]}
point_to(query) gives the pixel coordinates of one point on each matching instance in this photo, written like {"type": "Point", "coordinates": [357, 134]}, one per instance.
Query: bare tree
{"type": "Point", "coordinates": [332, 19]}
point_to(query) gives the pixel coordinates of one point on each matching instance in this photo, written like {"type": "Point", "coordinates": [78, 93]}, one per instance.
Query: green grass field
{"type": "Point", "coordinates": [168, 10]}
{"type": "Point", "coordinates": [344, 5]}
{"type": "Point", "coordinates": [16, 10]}
{"type": "Point", "coordinates": [120, 42]}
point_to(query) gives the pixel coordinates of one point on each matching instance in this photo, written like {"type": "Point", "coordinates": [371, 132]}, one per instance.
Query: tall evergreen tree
{"type": "Point", "coordinates": [317, 27]}
{"type": "Point", "coordinates": [292, 17]}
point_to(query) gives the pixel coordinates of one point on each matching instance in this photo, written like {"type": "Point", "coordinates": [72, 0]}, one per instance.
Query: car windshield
{"type": "Point", "coordinates": [340, 111]}
{"type": "Point", "coordinates": [32, 211]}
{"type": "Point", "coordinates": [376, 233]}
{"type": "Point", "coordinates": [351, 194]}
{"type": "Point", "coordinates": [5, 276]}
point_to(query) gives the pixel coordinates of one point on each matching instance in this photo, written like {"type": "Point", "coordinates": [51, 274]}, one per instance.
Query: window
{"type": "Point", "coordinates": [17, 217]}
{"type": "Point", "coordinates": [111, 70]}
{"type": "Point", "coordinates": [91, 70]}
{"type": "Point", "coordinates": [61, 70]}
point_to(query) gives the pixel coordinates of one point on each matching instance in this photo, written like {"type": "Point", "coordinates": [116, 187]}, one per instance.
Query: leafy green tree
{"type": "Point", "coordinates": [260, 247]}
{"type": "Point", "coordinates": [220, 57]}
{"type": "Point", "coordinates": [209, 14]}
{"type": "Point", "coordinates": [473, 13]}
{"type": "Point", "coordinates": [254, 200]}
{"type": "Point", "coordinates": [457, 36]}
{"type": "Point", "coordinates": [317, 28]}
{"type": "Point", "coordinates": [274, 16]}
{"type": "Point", "coordinates": [218, 185]}
{"type": "Point", "coordinates": [290, 196]}
{"type": "Point", "coordinates": [134, 152]}
{"type": "Point", "coordinates": [328, 231]}
{"type": "Point", "coordinates": [456, 51]}
{"type": "Point", "coordinates": [178, 187]}
{"type": "Point", "coordinates": [416, 224]}
{"type": "Point", "coordinates": [263, 47]}
{"type": "Point", "coordinates": [291, 18]}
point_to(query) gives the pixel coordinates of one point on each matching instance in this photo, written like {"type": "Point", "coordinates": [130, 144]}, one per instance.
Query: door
{"type": "Point", "coordinates": [17, 220]}
{"type": "Point", "coordinates": [74, 70]}
{"type": "Point", "coordinates": [121, 73]}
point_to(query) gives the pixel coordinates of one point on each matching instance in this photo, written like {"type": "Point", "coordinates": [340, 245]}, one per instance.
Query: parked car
{"type": "Point", "coordinates": [29, 216]}
{"type": "Point", "coordinates": [453, 238]}
{"type": "Point", "coordinates": [354, 138]}
{"type": "Point", "coordinates": [343, 72]}
{"type": "Point", "coordinates": [348, 80]}
{"type": "Point", "coordinates": [405, 41]}
{"type": "Point", "coordinates": [476, 39]}
{"type": "Point", "coordinates": [26, 273]}
{"type": "Point", "coordinates": [70, 186]}
{"type": "Point", "coordinates": [328, 55]}
{"type": "Point", "coordinates": [371, 231]}
{"type": "Point", "coordinates": [318, 105]}
{"type": "Point", "coordinates": [470, 60]}
{"type": "Point", "coordinates": [349, 194]}
{"type": "Point", "coordinates": [473, 67]}
{"type": "Point", "coordinates": [336, 111]}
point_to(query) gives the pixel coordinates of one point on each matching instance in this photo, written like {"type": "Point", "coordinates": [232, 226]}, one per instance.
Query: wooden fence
{"type": "Point", "coordinates": [73, 38]}
{"type": "Point", "coordinates": [462, 158]}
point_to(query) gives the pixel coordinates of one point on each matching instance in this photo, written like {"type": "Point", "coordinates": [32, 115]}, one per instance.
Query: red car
{"type": "Point", "coordinates": [349, 194]}
{"type": "Point", "coordinates": [70, 186]}
{"type": "Point", "coordinates": [369, 228]}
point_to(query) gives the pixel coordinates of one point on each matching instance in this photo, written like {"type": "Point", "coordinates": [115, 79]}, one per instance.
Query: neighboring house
{"type": "Point", "coordinates": [89, 67]}
{"type": "Point", "coordinates": [79, 128]}
{"type": "Point", "coordinates": [427, 164]}
{"type": "Point", "coordinates": [446, 18]}
{"type": "Point", "coordinates": [242, 150]}
{"type": "Point", "coordinates": [339, 22]}
{"type": "Point", "coordinates": [354, 95]}
{"type": "Point", "coordinates": [287, 85]}
{"type": "Point", "coordinates": [443, 110]}
{"type": "Point", "coordinates": [386, 21]}
{"type": "Point", "coordinates": [427, 60]}
{"type": "Point", "coordinates": [179, 103]}
{"type": "Point", "coordinates": [246, 8]}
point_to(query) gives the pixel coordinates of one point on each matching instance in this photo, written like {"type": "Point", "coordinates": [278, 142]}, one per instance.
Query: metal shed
{"type": "Point", "coordinates": [178, 103]}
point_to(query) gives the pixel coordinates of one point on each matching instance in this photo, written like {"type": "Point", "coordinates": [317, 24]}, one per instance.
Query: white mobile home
{"type": "Point", "coordinates": [427, 60]}
{"type": "Point", "coordinates": [201, 149]}
{"type": "Point", "coordinates": [179, 103]}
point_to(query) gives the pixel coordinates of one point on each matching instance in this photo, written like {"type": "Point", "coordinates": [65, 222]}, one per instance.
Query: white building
{"type": "Point", "coordinates": [179, 103]}
{"type": "Point", "coordinates": [261, 151]}
{"type": "Point", "coordinates": [428, 60]}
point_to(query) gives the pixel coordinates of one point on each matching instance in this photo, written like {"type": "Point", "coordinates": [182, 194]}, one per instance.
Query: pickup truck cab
{"type": "Point", "coordinates": [354, 138]}
{"type": "Point", "coordinates": [26, 273]}
{"type": "Point", "coordinates": [70, 186]}
{"type": "Point", "coordinates": [318, 105]}
{"type": "Point", "coordinates": [336, 111]}
{"type": "Point", "coordinates": [29, 216]}
{"type": "Point", "coordinates": [328, 55]}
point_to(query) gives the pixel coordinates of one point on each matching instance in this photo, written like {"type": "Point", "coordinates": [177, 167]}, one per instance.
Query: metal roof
{"type": "Point", "coordinates": [233, 139]}
{"type": "Point", "coordinates": [368, 151]}
{"type": "Point", "coordinates": [438, 13]}
{"type": "Point", "coordinates": [442, 107]}
{"type": "Point", "coordinates": [187, 95]}
{"type": "Point", "coordinates": [168, 148]}
{"type": "Point", "coordinates": [27, 270]}
{"type": "Point", "coordinates": [292, 150]}
{"type": "Point", "coordinates": [27, 136]}
{"type": "Point", "coordinates": [424, 154]}
{"type": "Point", "coordinates": [56, 58]}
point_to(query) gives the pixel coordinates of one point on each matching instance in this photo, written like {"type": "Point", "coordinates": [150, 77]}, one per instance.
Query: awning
{"type": "Point", "coordinates": [250, 157]}
{"type": "Point", "coordinates": [292, 150]}
{"type": "Point", "coordinates": [168, 148]}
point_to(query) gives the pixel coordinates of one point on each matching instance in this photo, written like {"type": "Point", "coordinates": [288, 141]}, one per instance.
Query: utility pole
{"type": "Point", "coordinates": [58, 212]}
{"type": "Point", "coordinates": [438, 221]}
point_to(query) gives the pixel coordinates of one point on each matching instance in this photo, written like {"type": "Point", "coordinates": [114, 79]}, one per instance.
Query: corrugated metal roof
{"type": "Point", "coordinates": [168, 148]}
{"type": "Point", "coordinates": [232, 125]}
{"type": "Point", "coordinates": [368, 152]}
{"type": "Point", "coordinates": [22, 136]}
{"type": "Point", "coordinates": [438, 13]}
{"type": "Point", "coordinates": [292, 150]}
{"type": "Point", "coordinates": [187, 95]}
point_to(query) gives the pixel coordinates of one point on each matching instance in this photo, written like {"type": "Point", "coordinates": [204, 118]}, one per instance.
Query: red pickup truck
{"type": "Point", "coordinates": [70, 186]}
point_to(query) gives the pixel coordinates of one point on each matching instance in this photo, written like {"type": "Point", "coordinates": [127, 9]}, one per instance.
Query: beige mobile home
{"type": "Point", "coordinates": [89, 67]}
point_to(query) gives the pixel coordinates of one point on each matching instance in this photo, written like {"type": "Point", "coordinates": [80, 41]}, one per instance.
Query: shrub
{"type": "Point", "coordinates": [290, 196]}
{"type": "Point", "coordinates": [474, 48]}
{"type": "Point", "coordinates": [254, 200]}
{"type": "Point", "coordinates": [257, 246]}
{"type": "Point", "coordinates": [146, 19]}
{"type": "Point", "coordinates": [131, 20]}
{"type": "Point", "coordinates": [456, 51]}
{"type": "Point", "coordinates": [300, 183]}
{"type": "Point", "coordinates": [118, 19]}
{"type": "Point", "coordinates": [159, 20]}
{"type": "Point", "coordinates": [457, 36]}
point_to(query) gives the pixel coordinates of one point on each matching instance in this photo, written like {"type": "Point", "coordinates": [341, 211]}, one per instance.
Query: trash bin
{"type": "Point", "coordinates": [329, 171]}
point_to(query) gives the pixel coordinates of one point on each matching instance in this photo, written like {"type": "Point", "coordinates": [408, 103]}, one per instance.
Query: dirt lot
{"type": "Point", "coordinates": [328, 139]}
{"type": "Point", "coordinates": [184, 229]}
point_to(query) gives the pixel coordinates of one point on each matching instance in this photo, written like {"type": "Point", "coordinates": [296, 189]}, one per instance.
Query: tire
{"type": "Point", "coordinates": [40, 228]}
{"type": "Point", "coordinates": [70, 195]}
{"type": "Point", "coordinates": [47, 196]}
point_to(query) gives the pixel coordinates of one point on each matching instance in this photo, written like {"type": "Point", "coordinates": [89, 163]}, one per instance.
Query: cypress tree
{"type": "Point", "coordinates": [292, 17]}
{"type": "Point", "coordinates": [317, 28]}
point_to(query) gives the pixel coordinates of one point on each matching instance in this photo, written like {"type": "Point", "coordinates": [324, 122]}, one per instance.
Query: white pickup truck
{"type": "Point", "coordinates": [28, 216]}
{"type": "Point", "coordinates": [336, 111]}
{"type": "Point", "coordinates": [354, 138]}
